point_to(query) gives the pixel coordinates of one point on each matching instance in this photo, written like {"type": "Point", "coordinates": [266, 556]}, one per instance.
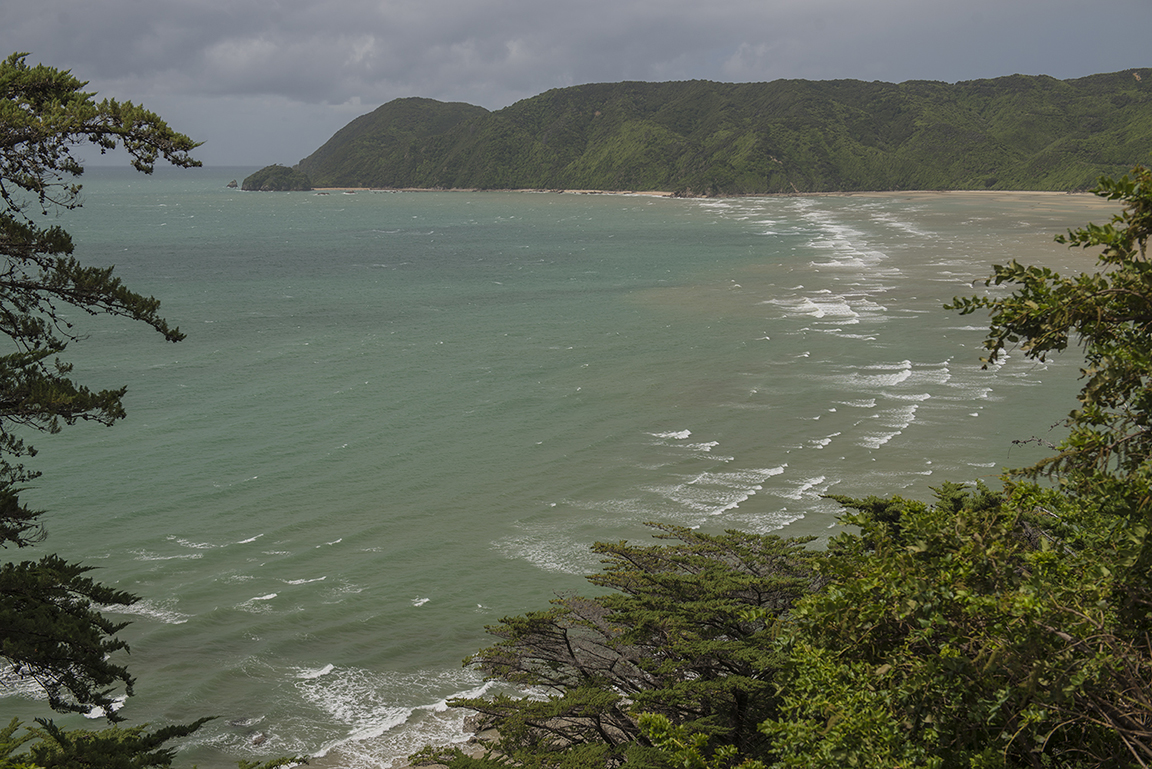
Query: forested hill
{"type": "Point", "coordinates": [699, 137]}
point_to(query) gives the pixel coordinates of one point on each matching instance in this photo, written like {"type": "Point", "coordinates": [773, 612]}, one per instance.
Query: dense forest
{"type": "Point", "coordinates": [787, 136]}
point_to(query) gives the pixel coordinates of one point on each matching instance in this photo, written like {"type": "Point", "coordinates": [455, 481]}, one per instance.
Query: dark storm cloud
{"type": "Point", "coordinates": [279, 76]}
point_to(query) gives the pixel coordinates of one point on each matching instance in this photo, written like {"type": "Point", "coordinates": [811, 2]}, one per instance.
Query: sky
{"type": "Point", "coordinates": [269, 81]}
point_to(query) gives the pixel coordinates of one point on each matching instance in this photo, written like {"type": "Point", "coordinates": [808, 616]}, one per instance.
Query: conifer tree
{"type": "Point", "coordinates": [49, 628]}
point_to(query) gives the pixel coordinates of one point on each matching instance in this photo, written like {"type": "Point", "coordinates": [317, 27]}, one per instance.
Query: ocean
{"type": "Point", "coordinates": [398, 417]}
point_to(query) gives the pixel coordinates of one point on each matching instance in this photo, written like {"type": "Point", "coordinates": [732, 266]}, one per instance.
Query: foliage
{"type": "Point", "coordinates": [978, 631]}
{"type": "Point", "coordinates": [50, 747]}
{"type": "Point", "coordinates": [787, 136]}
{"type": "Point", "coordinates": [111, 748]}
{"type": "Point", "coordinates": [985, 629]}
{"type": "Point", "coordinates": [53, 633]}
{"type": "Point", "coordinates": [1109, 314]}
{"type": "Point", "coordinates": [44, 113]}
{"type": "Point", "coordinates": [1009, 630]}
{"type": "Point", "coordinates": [688, 750]}
{"type": "Point", "coordinates": [51, 629]}
{"type": "Point", "coordinates": [689, 633]}
{"type": "Point", "coordinates": [276, 178]}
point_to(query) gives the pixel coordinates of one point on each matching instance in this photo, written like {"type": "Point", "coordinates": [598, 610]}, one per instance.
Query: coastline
{"type": "Point", "coordinates": [649, 193]}
{"type": "Point", "coordinates": [985, 194]}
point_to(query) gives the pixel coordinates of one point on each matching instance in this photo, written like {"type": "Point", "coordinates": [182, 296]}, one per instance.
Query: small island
{"type": "Point", "coordinates": [277, 178]}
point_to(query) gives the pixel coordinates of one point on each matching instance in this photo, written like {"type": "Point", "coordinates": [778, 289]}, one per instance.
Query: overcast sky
{"type": "Point", "coordinates": [269, 81]}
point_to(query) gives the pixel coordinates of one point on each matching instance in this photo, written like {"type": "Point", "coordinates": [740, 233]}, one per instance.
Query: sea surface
{"type": "Point", "coordinates": [398, 417]}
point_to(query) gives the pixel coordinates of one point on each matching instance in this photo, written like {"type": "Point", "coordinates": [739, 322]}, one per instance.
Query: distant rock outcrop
{"type": "Point", "coordinates": [232, 185]}
{"type": "Point", "coordinates": [277, 178]}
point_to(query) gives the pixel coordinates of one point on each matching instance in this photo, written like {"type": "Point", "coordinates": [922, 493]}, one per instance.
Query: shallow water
{"type": "Point", "coordinates": [400, 416]}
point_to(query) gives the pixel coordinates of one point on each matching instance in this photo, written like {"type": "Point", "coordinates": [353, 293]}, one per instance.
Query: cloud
{"type": "Point", "coordinates": [327, 57]}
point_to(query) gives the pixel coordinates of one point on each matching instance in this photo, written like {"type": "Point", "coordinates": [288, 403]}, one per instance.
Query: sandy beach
{"type": "Point", "coordinates": [651, 193]}
{"type": "Point", "coordinates": [984, 195]}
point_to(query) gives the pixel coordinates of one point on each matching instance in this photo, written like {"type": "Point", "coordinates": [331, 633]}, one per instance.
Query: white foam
{"type": "Point", "coordinates": [193, 545]}
{"type": "Point", "coordinates": [876, 440]}
{"type": "Point", "coordinates": [250, 539]}
{"type": "Point", "coordinates": [679, 435]}
{"type": "Point", "coordinates": [419, 601]}
{"type": "Point", "coordinates": [549, 551]}
{"type": "Point", "coordinates": [382, 723]}
{"type": "Point", "coordinates": [161, 612]}
{"type": "Point", "coordinates": [907, 396]}
{"type": "Point", "coordinates": [713, 493]}
{"type": "Point", "coordinates": [13, 684]}
{"type": "Point", "coordinates": [911, 229]}
{"type": "Point", "coordinates": [257, 604]}
{"type": "Point", "coordinates": [820, 443]}
{"type": "Point", "coordinates": [99, 712]}
{"type": "Point", "coordinates": [144, 555]}
{"type": "Point", "coordinates": [303, 581]}
{"type": "Point", "coordinates": [310, 674]}
{"type": "Point", "coordinates": [869, 403]}
{"type": "Point", "coordinates": [805, 488]}
{"type": "Point", "coordinates": [892, 375]}
{"type": "Point", "coordinates": [900, 416]}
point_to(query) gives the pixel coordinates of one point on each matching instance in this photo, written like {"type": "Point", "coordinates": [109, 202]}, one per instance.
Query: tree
{"type": "Point", "coordinates": [51, 629]}
{"type": "Point", "coordinates": [982, 630]}
{"type": "Point", "coordinates": [1108, 313]}
{"type": "Point", "coordinates": [688, 633]}
{"type": "Point", "coordinates": [1006, 630]}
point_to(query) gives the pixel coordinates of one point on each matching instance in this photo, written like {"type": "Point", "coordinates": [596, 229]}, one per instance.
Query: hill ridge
{"type": "Point", "coordinates": [709, 138]}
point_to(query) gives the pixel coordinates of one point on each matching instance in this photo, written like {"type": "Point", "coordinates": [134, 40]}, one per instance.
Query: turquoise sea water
{"type": "Point", "coordinates": [400, 416]}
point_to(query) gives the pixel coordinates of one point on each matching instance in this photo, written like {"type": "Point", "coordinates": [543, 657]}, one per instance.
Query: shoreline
{"type": "Point", "coordinates": [649, 193]}
{"type": "Point", "coordinates": [668, 194]}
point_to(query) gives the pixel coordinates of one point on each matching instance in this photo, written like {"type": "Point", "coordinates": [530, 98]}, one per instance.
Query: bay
{"type": "Point", "coordinates": [398, 417]}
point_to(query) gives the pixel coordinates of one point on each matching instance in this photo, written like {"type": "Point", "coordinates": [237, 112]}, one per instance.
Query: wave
{"type": "Point", "coordinates": [807, 488]}
{"type": "Point", "coordinates": [189, 544]}
{"type": "Point", "coordinates": [309, 674]}
{"type": "Point", "coordinates": [159, 611]}
{"type": "Point", "coordinates": [145, 555]}
{"type": "Point", "coordinates": [99, 712]}
{"type": "Point", "coordinates": [679, 435]}
{"type": "Point", "coordinates": [380, 721]}
{"type": "Point", "coordinates": [550, 550]}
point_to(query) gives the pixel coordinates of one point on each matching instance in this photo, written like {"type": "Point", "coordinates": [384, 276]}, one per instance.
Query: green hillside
{"type": "Point", "coordinates": [698, 137]}
{"type": "Point", "coordinates": [277, 179]}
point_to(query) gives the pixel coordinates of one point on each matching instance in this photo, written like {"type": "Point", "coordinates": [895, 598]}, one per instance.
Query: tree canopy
{"type": "Point", "coordinates": [51, 627]}
{"type": "Point", "coordinates": [1108, 314]}
{"type": "Point", "coordinates": [985, 628]}
{"type": "Point", "coordinates": [688, 632]}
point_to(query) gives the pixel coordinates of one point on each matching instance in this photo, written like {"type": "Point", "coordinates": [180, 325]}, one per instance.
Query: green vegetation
{"type": "Point", "coordinates": [686, 634]}
{"type": "Point", "coordinates": [787, 136]}
{"type": "Point", "coordinates": [51, 628]}
{"type": "Point", "coordinates": [984, 629]}
{"type": "Point", "coordinates": [277, 179]}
